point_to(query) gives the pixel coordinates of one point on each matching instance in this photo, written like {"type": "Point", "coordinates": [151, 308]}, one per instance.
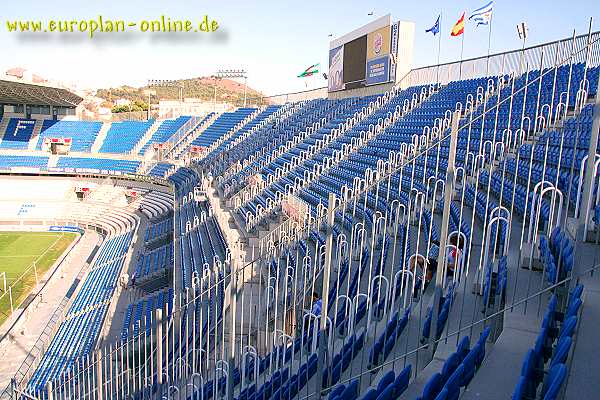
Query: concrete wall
{"type": "Point", "coordinates": [406, 42]}
{"type": "Point", "coordinates": [364, 91]}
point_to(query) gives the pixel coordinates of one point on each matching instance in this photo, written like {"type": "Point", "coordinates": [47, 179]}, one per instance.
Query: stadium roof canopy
{"type": "Point", "coordinates": [25, 93]}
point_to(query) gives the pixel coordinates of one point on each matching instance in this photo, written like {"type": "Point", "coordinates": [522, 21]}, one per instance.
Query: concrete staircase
{"type": "Point", "coordinates": [148, 162]}
{"type": "Point", "coordinates": [144, 139]}
{"type": "Point", "coordinates": [186, 140]}
{"type": "Point", "coordinates": [100, 137]}
{"type": "Point", "coordinates": [3, 125]}
{"type": "Point", "coordinates": [52, 161]}
{"type": "Point", "coordinates": [145, 166]}
{"type": "Point", "coordinates": [234, 130]}
{"type": "Point", "coordinates": [37, 129]}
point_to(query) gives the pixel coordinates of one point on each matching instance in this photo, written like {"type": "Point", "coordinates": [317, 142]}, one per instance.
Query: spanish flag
{"type": "Point", "coordinates": [459, 27]}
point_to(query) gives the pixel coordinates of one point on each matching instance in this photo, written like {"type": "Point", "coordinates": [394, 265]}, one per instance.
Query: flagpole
{"type": "Point", "coordinates": [437, 78]}
{"type": "Point", "coordinates": [462, 48]}
{"type": "Point", "coordinates": [487, 67]}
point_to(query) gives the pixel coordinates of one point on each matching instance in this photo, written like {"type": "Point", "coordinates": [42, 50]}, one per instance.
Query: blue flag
{"type": "Point", "coordinates": [435, 28]}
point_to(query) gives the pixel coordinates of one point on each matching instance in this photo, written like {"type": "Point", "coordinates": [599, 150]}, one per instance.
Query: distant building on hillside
{"type": "Point", "coordinates": [24, 75]}
{"type": "Point", "coordinates": [122, 102]}
{"type": "Point", "coordinates": [189, 106]}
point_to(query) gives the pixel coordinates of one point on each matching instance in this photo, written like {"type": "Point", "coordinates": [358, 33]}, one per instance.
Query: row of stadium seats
{"type": "Point", "coordinates": [263, 115]}
{"type": "Point", "coordinates": [165, 130]}
{"type": "Point", "coordinates": [160, 169]}
{"type": "Point", "coordinates": [83, 321]}
{"type": "Point", "coordinates": [154, 261]}
{"type": "Point", "coordinates": [388, 387]}
{"type": "Point", "coordinates": [97, 164]}
{"type": "Point", "coordinates": [18, 133]}
{"type": "Point", "coordinates": [221, 126]}
{"type": "Point", "coordinates": [305, 115]}
{"type": "Point", "coordinates": [557, 255]}
{"type": "Point", "coordinates": [18, 161]}
{"type": "Point", "coordinates": [202, 240]}
{"type": "Point", "coordinates": [123, 136]}
{"type": "Point", "coordinates": [547, 361]}
{"type": "Point", "coordinates": [141, 314]}
{"type": "Point", "coordinates": [158, 229]}
{"type": "Point", "coordinates": [82, 133]}
{"type": "Point", "coordinates": [458, 370]}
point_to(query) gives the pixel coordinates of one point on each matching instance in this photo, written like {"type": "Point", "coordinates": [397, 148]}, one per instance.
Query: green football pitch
{"type": "Point", "coordinates": [19, 251]}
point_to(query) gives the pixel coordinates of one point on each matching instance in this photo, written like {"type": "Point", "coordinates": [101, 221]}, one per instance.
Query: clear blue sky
{"type": "Point", "coordinates": [274, 40]}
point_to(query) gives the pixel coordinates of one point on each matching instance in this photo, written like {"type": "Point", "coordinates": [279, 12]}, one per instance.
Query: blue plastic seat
{"type": "Point", "coordinates": [463, 347]}
{"type": "Point", "coordinates": [432, 387]}
{"type": "Point", "coordinates": [453, 383]}
{"type": "Point", "coordinates": [402, 380]}
{"type": "Point", "coordinates": [554, 381]}
{"type": "Point", "coordinates": [561, 352]}
{"type": "Point", "coordinates": [351, 391]}
{"type": "Point", "coordinates": [519, 393]}
{"type": "Point", "coordinates": [450, 365]}
{"type": "Point", "coordinates": [371, 394]}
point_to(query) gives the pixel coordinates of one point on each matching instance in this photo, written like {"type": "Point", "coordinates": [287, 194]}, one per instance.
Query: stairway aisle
{"type": "Point", "coordinates": [101, 136]}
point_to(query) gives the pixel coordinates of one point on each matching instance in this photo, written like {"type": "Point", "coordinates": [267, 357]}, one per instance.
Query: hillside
{"type": "Point", "coordinates": [200, 88]}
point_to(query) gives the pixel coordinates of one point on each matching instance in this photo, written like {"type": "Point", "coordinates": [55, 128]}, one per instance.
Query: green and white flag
{"type": "Point", "coordinates": [310, 71]}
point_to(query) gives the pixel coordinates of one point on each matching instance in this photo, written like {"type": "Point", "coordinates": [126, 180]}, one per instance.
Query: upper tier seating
{"type": "Point", "coordinates": [160, 169]}
{"type": "Point", "coordinates": [269, 110]}
{"type": "Point", "coordinates": [9, 161]}
{"type": "Point", "coordinates": [101, 164]}
{"type": "Point", "coordinates": [18, 133]}
{"type": "Point", "coordinates": [123, 136]}
{"type": "Point", "coordinates": [82, 133]}
{"type": "Point", "coordinates": [166, 129]}
{"type": "Point", "coordinates": [221, 126]}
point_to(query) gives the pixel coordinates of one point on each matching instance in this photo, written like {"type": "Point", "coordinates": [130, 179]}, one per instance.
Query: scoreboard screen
{"type": "Point", "coordinates": [364, 56]}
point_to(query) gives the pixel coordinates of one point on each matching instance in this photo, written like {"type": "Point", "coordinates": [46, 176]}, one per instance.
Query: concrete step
{"type": "Point", "coordinates": [52, 161]}
{"type": "Point", "coordinates": [37, 129]}
{"type": "Point", "coordinates": [3, 125]}
{"type": "Point", "coordinates": [147, 136]}
{"type": "Point", "coordinates": [100, 137]}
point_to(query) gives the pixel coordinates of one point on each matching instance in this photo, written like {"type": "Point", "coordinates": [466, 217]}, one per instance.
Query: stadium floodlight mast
{"type": "Point", "coordinates": [149, 92]}
{"type": "Point", "coordinates": [232, 74]}
{"type": "Point", "coordinates": [215, 77]}
{"type": "Point", "coordinates": [522, 31]}
{"type": "Point", "coordinates": [168, 83]}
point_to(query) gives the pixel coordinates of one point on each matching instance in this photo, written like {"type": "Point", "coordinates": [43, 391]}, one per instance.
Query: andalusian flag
{"type": "Point", "coordinates": [483, 15]}
{"type": "Point", "coordinates": [310, 71]}
{"type": "Point", "coordinates": [459, 27]}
